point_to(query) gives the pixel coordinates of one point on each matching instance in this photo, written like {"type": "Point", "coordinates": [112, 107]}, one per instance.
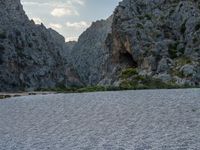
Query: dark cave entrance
{"type": "Point", "coordinates": [127, 59]}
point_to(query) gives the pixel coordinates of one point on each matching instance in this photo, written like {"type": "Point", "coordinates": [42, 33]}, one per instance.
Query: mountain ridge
{"type": "Point", "coordinates": [157, 40]}
{"type": "Point", "coordinates": [143, 43]}
{"type": "Point", "coordinates": [31, 55]}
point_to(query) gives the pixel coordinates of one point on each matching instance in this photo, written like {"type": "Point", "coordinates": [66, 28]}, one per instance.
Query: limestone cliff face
{"type": "Point", "coordinates": [90, 54]}
{"type": "Point", "coordinates": [158, 38]}
{"type": "Point", "coordinates": [161, 36]}
{"type": "Point", "coordinates": [31, 56]}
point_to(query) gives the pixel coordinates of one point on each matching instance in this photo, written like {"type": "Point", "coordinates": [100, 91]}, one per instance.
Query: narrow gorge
{"type": "Point", "coordinates": [158, 41]}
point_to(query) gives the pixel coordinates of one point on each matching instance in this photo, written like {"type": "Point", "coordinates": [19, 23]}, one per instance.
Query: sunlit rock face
{"type": "Point", "coordinates": [162, 37]}
{"type": "Point", "coordinates": [158, 38]}
{"type": "Point", "coordinates": [31, 56]}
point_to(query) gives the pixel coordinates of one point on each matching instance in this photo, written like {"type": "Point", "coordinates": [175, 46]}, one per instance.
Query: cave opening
{"type": "Point", "coordinates": [127, 59]}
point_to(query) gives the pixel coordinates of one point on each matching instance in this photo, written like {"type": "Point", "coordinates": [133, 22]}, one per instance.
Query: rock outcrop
{"type": "Point", "coordinates": [90, 54]}
{"type": "Point", "coordinates": [154, 39]}
{"type": "Point", "coordinates": [162, 38]}
{"type": "Point", "coordinates": [31, 56]}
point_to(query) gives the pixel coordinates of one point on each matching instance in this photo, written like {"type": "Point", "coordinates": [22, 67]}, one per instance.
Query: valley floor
{"type": "Point", "coordinates": [122, 120]}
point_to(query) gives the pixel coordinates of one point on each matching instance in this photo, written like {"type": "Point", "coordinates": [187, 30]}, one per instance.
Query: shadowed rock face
{"type": "Point", "coordinates": [90, 54]}
{"type": "Point", "coordinates": [159, 38]}
{"type": "Point", "coordinates": [31, 56]}
{"type": "Point", "coordinates": [162, 36]}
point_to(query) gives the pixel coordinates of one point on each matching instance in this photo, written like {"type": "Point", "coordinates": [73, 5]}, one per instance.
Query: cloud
{"type": "Point", "coordinates": [67, 39]}
{"type": "Point", "coordinates": [55, 26]}
{"type": "Point", "coordinates": [55, 4]}
{"type": "Point", "coordinates": [59, 8]}
{"type": "Point", "coordinates": [37, 20]}
{"type": "Point", "coordinates": [80, 2]}
{"type": "Point", "coordinates": [60, 12]}
{"type": "Point", "coordinates": [77, 25]}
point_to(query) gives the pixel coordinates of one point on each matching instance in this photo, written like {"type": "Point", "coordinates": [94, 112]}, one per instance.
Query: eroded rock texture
{"type": "Point", "coordinates": [158, 38]}
{"type": "Point", "coordinates": [31, 56]}
{"type": "Point", "coordinates": [90, 55]}
{"type": "Point", "coordinates": [161, 36]}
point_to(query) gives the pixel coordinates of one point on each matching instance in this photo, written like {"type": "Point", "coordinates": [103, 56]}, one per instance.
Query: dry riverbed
{"type": "Point", "coordinates": [122, 120]}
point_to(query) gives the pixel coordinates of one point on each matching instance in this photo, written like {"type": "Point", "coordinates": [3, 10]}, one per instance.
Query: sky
{"type": "Point", "coordinates": [68, 17]}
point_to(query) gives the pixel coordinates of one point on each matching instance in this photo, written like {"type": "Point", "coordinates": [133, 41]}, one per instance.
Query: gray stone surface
{"type": "Point", "coordinates": [90, 54]}
{"type": "Point", "coordinates": [160, 38]}
{"type": "Point", "coordinates": [126, 120]}
{"type": "Point", "coordinates": [31, 56]}
{"type": "Point", "coordinates": [159, 35]}
{"type": "Point", "coordinates": [156, 37]}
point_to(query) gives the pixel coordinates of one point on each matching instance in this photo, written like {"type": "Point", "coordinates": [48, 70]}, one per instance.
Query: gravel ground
{"type": "Point", "coordinates": [125, 120]}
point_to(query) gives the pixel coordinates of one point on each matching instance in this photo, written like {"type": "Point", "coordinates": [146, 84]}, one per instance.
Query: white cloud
{"type": "Point", "coordinates": [59, 9]}
{"type": "Point", "coordinates": [60, 12]}
{"type": "Point", "coordinates": [55, 26]}
{"type": "Point", "coordinates": [37, 20]}
{"type": "Point", "coordinates": [67, 39]}
{"type": "Point", "coordinates": [77, 25]}
{"type": "Point", "coordinates": [55, 4]}
{"type": "Point", "coordinates": [80, 2]}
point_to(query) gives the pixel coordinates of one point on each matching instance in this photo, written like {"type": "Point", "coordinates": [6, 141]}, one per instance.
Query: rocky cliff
{"type": "Point", "coordinates": [143, 43]}
{"type": "Point", "coordinates": [155, 39]}
{"type": "Point", "coordinates": [31, 56]}
{"type": "Point", "coordinates": [90, 54]}
{"type": "Point", "coordinates": [160, 38]}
